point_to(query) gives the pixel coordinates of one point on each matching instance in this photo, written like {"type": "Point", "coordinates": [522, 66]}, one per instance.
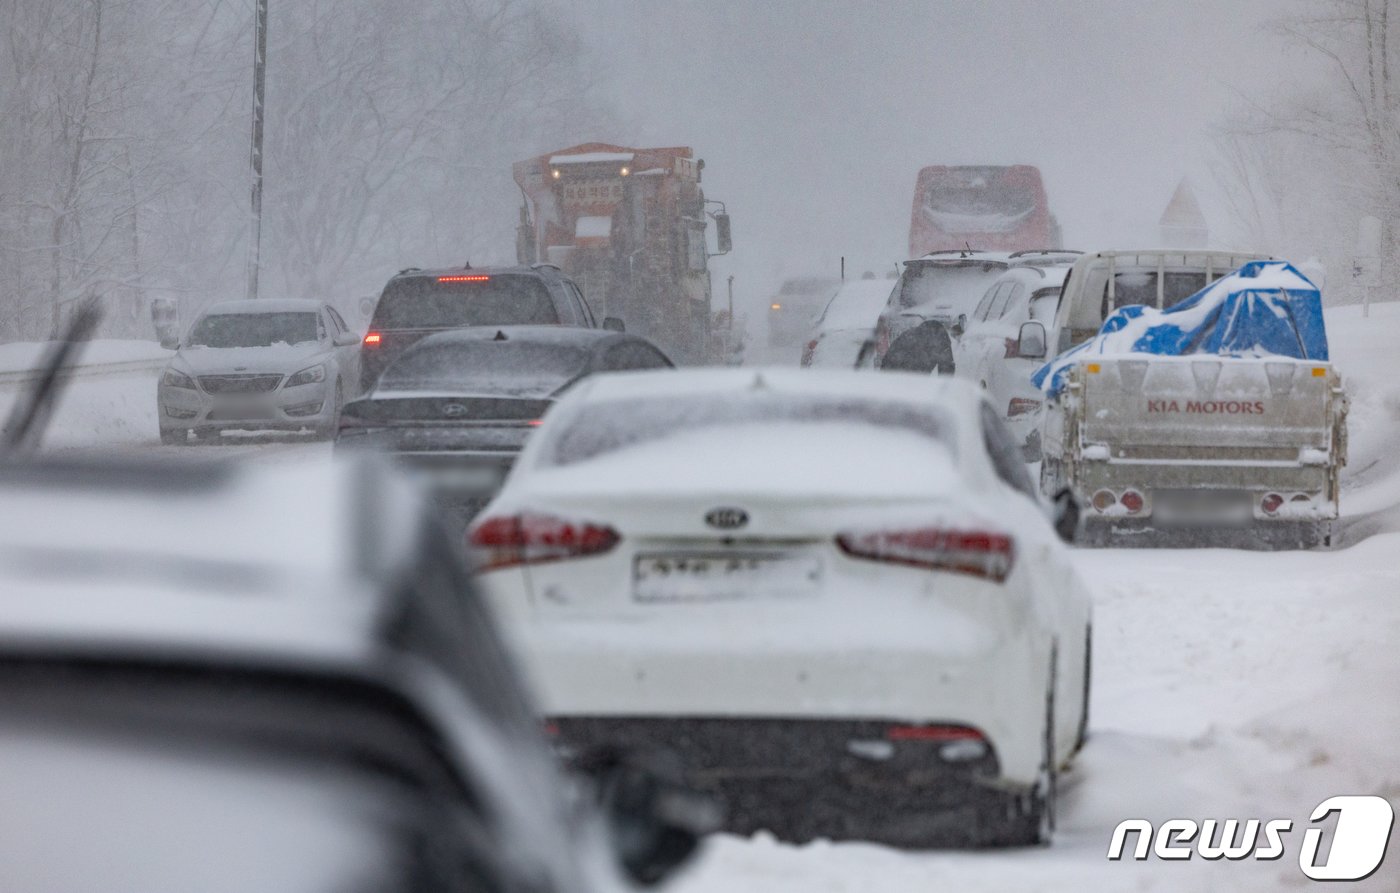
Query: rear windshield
{"type": "Point", "coordinates": [513, 368]}
{"type": "Point", "coordinates": [948, 290]}
{"type": "Point", "coordinates": [617, 425]}
{"type": "Point", "coordinates": [1133, 287]}
{"type": "Point", "coordinates": [253, 329]}
{"type": "Point", "coordinates": [427, 302]}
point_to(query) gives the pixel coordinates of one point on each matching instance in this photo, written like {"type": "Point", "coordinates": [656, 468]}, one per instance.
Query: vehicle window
{"type": "Point", "coordinates": [584, 308]}
{"type": "Point", "coordinates": [985, 304]}
{"type": "Point", "coordinates": [337, 320]}
{"type": "Point", "coordinates": [610, 426]}
{"type": "Point", "coordinates": [1004, 453]}
{"type": "Point", "coordinates": [946, 290]}
{"type": "Point", "coordinates": [509, 368]}
{"type": "Point", "coordinates": [1140, 287]}
{"type": "Point", "coordinates": [1044, 303]}
{"type": "Point", "coordinates": [634, 355]}
{"type": "Point", "coordinates": [455, 301]}
{"type": "Point", "coordinates": [1000, 300]}
{"type": "Point", "coordinates": [255, 329]}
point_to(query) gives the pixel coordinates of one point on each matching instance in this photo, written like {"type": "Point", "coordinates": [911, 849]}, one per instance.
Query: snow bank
{"type": "Point", "coordinates": [22, 356]}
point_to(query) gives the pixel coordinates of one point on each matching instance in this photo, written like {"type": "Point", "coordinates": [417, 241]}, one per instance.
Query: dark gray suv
{"type": "Point", "coordinates": [416, 303]}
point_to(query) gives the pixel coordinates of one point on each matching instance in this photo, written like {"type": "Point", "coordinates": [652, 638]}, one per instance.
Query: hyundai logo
{"type": "Point", "coordinates": [727, 518]}
{"type": "Point", "coordinates": [452, 410]}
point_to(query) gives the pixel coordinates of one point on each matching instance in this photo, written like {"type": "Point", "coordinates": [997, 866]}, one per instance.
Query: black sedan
{"type": "Point", "coordinates": [460, 404]}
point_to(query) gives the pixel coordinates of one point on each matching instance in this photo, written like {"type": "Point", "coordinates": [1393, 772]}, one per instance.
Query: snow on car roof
{"type": "Point", "coordinates": [857, 304]}
{"type": "Point", "coordinates": [263, 305]}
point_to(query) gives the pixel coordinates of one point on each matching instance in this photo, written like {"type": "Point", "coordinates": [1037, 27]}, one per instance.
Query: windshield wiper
{"type": "Point", "coordinates": [32, 411]}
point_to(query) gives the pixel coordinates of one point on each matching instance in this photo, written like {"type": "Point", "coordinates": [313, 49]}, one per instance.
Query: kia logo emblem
{"type": "Point", "coordinates": [727, 518]}
{"type": "Point", "coordinates": [452, 410]}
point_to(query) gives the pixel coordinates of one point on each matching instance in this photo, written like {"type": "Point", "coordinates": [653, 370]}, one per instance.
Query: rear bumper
{"type": "Point", "coordinates": [803, 778]}
{"type": "Point", "coordinates": [1308, 491]}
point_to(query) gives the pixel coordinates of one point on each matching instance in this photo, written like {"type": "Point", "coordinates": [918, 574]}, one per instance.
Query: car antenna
{"type": "Point", "coordinates": [500, 336]}
{"type": "Point", "coordinates": [30, 416]}
{"type": "Point", "coordinates": [967, 249]}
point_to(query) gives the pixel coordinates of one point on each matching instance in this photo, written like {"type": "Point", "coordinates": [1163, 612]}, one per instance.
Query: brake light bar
{"type": "Point", "coordinates": [932, 733]}
{"type": "Point", "coordinates": [978, 553]}
{"type": "Point", "coordinates": [464, 279]}
{"type": "Point", "coordinates": [1021, 406]}
{"type": "Point", "coordinates": [519, 540]}
{"type": "Point", "coordinates": [373, 339]}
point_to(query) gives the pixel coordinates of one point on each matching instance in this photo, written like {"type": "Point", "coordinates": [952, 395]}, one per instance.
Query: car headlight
{"type": "Point", "coordinates": [175, 379]}
{"type": "Point", "coordinates": [308, 376]}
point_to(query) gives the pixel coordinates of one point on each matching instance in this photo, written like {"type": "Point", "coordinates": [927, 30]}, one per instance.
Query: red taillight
{"type": "Point", "coordinates": [1132, 501]}
{"type": "Point", "coordinates": [1021, 406]}
{"type": "Point", "coordinates": [978, 553]}
{"type": "Point", "coordinates": [1104, 500]}
{"type": "Point", "coordinates": [1271, 503]}
{"type": "Point", "coordinates": [535, 423]}
{"type": "Point", "coordinates": [464, 279]}
{"type": "Point", "coordinates": [514, 540]}
{"type": "Point", "coordinates": [808, 351]}
{"type": "Point", "coordinates": [932, 733]}
{"type": "Point", "coordinates": [373, 339]}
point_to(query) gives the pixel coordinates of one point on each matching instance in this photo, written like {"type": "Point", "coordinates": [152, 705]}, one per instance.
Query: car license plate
{"type": "Point", "coordinates": [719, 576]}
{"type": "Point", "coordinates": [1202, 508]}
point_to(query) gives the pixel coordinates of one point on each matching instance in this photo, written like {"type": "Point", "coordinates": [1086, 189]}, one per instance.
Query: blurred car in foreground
{"type": "Point", "coordinates": [883, 638]}
{"type": "Point", "coordinates": [845, 325]}
{"type": "Point", "coordinates": [226, 679]}
{"type": "Point", "coordinates": [417, 303]}
{"type": "Point", "coordinates": [459, 405]}
{"type": "Point", "coordinates": [258, 365]}
{"type": "Point", "coordinates": [1005, 342]}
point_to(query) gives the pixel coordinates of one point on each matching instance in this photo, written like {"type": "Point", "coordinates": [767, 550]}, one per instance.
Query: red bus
{"type": "Point", "coordinates": [981, 207]}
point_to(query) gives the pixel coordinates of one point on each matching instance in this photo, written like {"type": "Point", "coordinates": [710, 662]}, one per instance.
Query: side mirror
{"type": "Point", "coordinates": [345, 339]}
{"type": "Point", "coordinates": [1066, 515]}
{"type": "Point", "coordinates": [1031, 343]}
{"type": "Point", "coordinates": [169, 340]}
{"type": "Point", "coordinates": [723, 237]}
{"type": "Point", "coordinates": [656, 821]}
{"type": "Point", "coordinates": [613, 324]}
{"type": "Point", "coordinates": [959, 325]}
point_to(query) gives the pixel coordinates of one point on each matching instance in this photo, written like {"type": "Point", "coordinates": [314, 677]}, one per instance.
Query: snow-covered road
{"type": "Point", "coordinates": [1228, 684]}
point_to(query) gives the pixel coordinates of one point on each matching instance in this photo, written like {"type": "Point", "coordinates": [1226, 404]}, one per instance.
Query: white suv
{"type": "Point", "coordinates": [1005, 340]}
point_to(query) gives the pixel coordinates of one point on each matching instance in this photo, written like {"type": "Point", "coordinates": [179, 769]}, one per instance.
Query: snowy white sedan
{"type": "Point", "coordinates": [834, 595]}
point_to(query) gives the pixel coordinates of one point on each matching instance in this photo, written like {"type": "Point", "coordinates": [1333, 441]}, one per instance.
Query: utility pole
{"type": "Point", "coordinates": [259, 84]}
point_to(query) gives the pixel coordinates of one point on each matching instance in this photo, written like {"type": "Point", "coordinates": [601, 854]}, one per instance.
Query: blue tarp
{"type": "Point", "coordinates": [1265, 308]}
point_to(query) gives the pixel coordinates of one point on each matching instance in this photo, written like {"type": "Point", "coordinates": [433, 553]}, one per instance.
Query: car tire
{"type": "Point", "coordinates": [173, 436]}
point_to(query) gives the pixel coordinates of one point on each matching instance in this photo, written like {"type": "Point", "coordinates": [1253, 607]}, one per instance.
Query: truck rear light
{"type": "Point", "coordinates": [1103, 500]}
{"type": "Point", "coordinates": [985, 554]}
{"type": "Point", "coordinates": [1271, 503]}
{"type": "Point", "coordinates": [1132, 501]}
{"type": "Point", "coordinates": [1021, 406]}
{"type": "Point", "coordinates": [372, 339]}
{"type": "Point", "coordinates": [517, 540]}
{"type": "Point", "coordinates": [808, 351]}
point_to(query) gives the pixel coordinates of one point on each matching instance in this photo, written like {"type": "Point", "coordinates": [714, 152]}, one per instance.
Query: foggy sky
{"type": "Point", "coordinates": [813, 116]}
